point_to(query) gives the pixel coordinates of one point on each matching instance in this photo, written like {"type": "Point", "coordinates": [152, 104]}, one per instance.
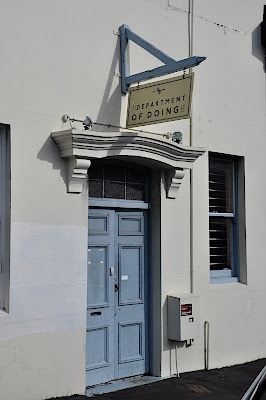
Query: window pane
{"type": "Point", "coordinates": [221, 186]}
{"type": "Point", "coordinates": [114, 173]}
{"type": "Point", "coordinates": [135, 175]}
{"type": "Point", "coordinates": [97, 275]}
{"type": "Point", "coordinates": [96, 172]}
{"type": "Point", "coordinates": [220, 243]}
{"type": "Point", "coordinates": [135, 192]}
{"type": "Point", "coordinates": [96, 189]}
{"type": "Point", "coordinates": [114, 190]}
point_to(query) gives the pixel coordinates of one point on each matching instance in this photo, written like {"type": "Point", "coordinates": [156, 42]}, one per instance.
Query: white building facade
{"type": "Point", "coordinates": [100, 226]}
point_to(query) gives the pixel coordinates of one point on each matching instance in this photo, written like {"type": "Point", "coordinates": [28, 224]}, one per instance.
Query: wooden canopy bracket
{"type": "Point", "coordinates": [170, 66]}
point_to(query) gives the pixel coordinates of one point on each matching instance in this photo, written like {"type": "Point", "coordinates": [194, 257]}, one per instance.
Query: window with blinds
{"type": "Point", "coordinates": [222, 214]}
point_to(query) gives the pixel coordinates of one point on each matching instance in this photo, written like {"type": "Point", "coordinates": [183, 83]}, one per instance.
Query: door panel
{"type": "Point", "coordinates": [130, 342]}
{"type": "Point", "coordinates": [116, 312]}
{"type": "Point", "coordinates": [129, 299]}
{"type": "Point", "coordinates": [98, 224]}
{"type": "Point", "coordinates": [97, 347]}
{"type": "Point", "coordinates": [98, 272]}
{"type": "Point", "coordinates": [100, 308]}
{"type": "Point", "coordinates": [130, 225]}
{"type": "Point", "coordinates": [130, 262]}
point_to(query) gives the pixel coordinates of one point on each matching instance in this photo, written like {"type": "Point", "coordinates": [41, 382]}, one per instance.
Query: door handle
{"type": "Point", "coordinates": [116, 287]}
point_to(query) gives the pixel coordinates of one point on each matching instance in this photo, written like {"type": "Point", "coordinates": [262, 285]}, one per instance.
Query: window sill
{"type": "Point", "coordinates": [236, 286]}
{"type": "Point", "coordinates": [223, 279]}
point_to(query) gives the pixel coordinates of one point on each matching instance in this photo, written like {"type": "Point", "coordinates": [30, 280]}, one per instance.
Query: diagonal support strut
{"type": "Point", "coordinates": [170, 66]}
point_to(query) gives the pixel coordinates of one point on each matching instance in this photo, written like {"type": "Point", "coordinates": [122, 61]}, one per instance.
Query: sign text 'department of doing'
{"type": "Point", "coordinates": [161, 101]}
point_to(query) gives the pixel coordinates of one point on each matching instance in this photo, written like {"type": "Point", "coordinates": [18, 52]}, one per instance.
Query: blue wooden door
{"type": "Point", "coordinates": [130, 321]}
{"type": "Point", "coordinates": [100, 298]}
{"type": "Point", "coordinates": [117, 306]}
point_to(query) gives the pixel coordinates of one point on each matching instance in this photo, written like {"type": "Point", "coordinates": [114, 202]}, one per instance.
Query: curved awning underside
{"type": "Point", "coordinates": [80, 147]}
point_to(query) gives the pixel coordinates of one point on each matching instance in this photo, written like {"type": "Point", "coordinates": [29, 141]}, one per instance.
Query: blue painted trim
{"type": "Point", "coordinates": [100, 305]}
{"type": "Point", "coordinates": [125, 66]}
{"type": "Point", "coordinates": [115, 203]}
{"type": "Point", "coordinates": [235, 227]}
{"type": "Point", "coordinates": [148, 293]}
{"type": "Point", "coordinates": [165, 69]}
{"type": "Point", "coordinates": [171, 65]}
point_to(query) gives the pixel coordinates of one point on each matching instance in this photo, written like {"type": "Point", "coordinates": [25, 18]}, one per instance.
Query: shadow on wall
{"type": "Point", "coordinates": [257, 50]}
{"type": "Point", "coordinates": [109, 112]}
{"type": "Point", "coordinates": [50, 153]}
{"type": "Point", "coordinates": [110, 108]}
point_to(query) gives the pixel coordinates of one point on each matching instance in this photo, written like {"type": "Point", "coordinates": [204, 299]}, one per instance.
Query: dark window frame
{"type": "Point", "coordinates": [230, 215]}
{"type": "Point", "coordinates": [127, 183]}
{"type": "Point", "coordinates": [5, 217]}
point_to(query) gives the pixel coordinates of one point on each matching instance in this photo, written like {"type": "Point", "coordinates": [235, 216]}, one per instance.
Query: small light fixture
{"type": "Point", "coordinates": [87, 122]}
{"type": "Point", "coordinates": [177, 137]}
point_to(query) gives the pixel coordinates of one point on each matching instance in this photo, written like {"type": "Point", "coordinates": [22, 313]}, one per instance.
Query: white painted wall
{"type": "Point", "coordinates": [60, 57]}
{"type": "Point", "coordinates": [229, 117]}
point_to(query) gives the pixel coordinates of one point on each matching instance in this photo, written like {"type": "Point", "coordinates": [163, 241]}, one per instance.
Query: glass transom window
{"type": "Point", "coordinates": [118, 182]}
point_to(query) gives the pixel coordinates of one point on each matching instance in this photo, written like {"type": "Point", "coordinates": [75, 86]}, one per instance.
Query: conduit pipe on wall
{"type": "Point", "coordinates": [190, 50]}
{"type": "Point", "coordinates": [206, 343]}
{"type": "Point", "coordinates": [176, 361]}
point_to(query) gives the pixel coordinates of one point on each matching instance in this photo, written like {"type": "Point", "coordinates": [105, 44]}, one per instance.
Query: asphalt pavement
{"type": "Point", "coordinates": [228, 383]}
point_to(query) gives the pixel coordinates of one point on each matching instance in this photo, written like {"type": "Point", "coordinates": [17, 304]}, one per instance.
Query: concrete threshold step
{"type": "Point", "coordinates": [121, 384]}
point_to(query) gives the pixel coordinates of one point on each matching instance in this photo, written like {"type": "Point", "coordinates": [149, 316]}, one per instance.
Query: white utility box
{"type": "Point", "coordinates": [183, 316]}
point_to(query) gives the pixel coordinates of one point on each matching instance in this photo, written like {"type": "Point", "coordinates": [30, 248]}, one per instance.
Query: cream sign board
{"type": "Point", "coordinates": [161, 101]}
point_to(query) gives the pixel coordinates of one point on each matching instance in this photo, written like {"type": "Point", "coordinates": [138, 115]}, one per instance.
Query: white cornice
{"type": "Point", "coordinates": [151, 150]}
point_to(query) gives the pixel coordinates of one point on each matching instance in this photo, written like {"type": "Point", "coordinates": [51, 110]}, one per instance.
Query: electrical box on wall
{"type": "Point", "coordinates": [183, 316]}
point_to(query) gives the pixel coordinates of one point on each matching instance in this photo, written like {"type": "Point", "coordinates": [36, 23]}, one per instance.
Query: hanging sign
{"type": "Point", "coordinates": [161, 101]}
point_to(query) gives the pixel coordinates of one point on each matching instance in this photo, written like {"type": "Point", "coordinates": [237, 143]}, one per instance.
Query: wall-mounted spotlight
{"type": "Point", "coordinates": [177, 137]}
{"type": "Point", "coordinates": [87, 122]}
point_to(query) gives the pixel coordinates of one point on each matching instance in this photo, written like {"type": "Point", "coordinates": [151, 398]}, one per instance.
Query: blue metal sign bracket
{"type": "Point", "coordinates": [170, 66]}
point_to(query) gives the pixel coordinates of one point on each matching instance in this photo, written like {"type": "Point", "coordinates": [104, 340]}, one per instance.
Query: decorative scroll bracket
{"type": "Point", "coordinates": [170, 66]}
{"type": "Point", "coordinates": [173, 181]}
{"type": "Point", "coordinates": [78, 148]}
{"type": "Point", "coordinates": [77, 173]}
